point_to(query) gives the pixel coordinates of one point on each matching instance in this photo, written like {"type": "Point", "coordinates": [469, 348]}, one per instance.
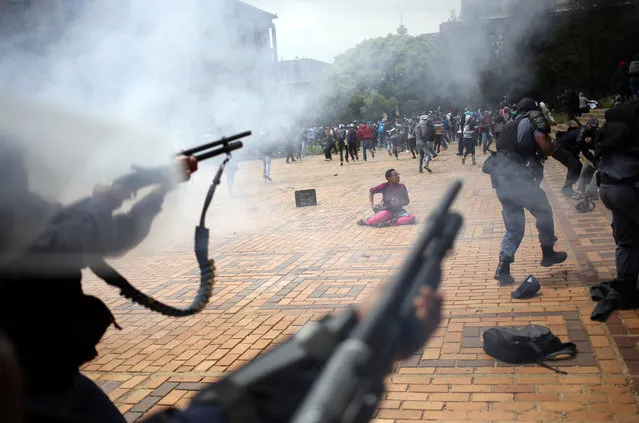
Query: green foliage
{"type": "Point", "coordinates": [580, 49]}
{"type": "Point", "coordinates": [380, 75]}
{"type": "Point", "coordinates": [560, 118]}
{"type": "Point", "coordinates": [606, 103]}
{"type": "Point", "coordinates": [585, 47]}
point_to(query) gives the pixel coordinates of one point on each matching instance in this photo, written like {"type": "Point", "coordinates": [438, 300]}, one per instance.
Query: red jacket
{"type": "Point", "coordinates": [364, 132]}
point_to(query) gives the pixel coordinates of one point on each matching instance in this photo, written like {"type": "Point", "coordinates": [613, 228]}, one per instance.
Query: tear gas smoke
{"type": "Point", "coordinates": [489, 48]}
{"type": "Point", "coordinates": [191, 70]}
{"type": "Point", "coordinates": [476, 60]}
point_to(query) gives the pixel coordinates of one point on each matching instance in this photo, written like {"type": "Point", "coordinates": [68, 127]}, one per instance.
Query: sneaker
{"type": "Point", "coordinates": [361, 222]}
{"type": "Point", "coordinates": [421, 170]}
{"type": "Point", "coordinates": [428, 169]}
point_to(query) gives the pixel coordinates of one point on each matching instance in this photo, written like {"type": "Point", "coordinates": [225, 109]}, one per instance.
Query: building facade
{"type": "Point", "coordinates": [491, 9]}
{"type": "Point", "coordinates": [254, 27]}
{"type": "Point", "coordinates": [300, 83]}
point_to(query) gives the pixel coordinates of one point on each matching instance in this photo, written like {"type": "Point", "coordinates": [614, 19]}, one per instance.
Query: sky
{"type": "Point", "coordinates": [322, 29]}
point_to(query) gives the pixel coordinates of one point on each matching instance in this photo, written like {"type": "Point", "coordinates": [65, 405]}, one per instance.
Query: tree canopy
{"type": "Point", "coordinates": [581, 49]}
{"type": "Point", "coordinates": [379, 76]}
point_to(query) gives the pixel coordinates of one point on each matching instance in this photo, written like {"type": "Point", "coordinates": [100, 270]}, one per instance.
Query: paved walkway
{"type": "Point", "coordinates": [280, 267]}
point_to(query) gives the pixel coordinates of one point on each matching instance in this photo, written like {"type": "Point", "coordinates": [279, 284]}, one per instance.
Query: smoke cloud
{"type": "Point", "coordinates": [99, 85]}
{"type": "Point", "coordinates": [478, 59]}
{"type": "Point", "coordinates": [488, 49]}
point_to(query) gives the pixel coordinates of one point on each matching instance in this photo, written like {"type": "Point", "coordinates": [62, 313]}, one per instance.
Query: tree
{"type": "Point", "coordinates": [380, 75]}
{"type": "Point", "coordinates": [479, 64]}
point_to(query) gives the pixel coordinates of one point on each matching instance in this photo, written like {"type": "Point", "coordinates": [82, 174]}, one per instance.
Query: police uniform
{"type": "Point", "coordinates": [619, 191]}
{"type": "Point", "coordinates": [53, 325]}
{"type": "Point", "coordinates": [516, 177]}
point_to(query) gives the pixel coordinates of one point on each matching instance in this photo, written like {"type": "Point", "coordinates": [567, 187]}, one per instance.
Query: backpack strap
{"type": "Point", "coordinates": [542, 364]}
{"type": "Point", "coordinates": [569, 348]}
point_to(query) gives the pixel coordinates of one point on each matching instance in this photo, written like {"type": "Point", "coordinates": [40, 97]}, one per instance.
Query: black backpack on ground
{"type": "Point", "coordinates": [526, 345]}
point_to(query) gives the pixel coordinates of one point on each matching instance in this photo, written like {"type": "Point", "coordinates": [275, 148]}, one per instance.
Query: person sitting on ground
{"type": "Point", "coordinates": [392, 212]}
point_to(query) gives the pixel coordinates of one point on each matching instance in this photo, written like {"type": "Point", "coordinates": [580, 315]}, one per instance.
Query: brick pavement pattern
{"type": "Point", "coordinates": [280, 267]}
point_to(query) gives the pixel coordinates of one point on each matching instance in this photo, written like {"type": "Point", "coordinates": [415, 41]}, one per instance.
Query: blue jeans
{"type": "Point", "coordinates": [487, 140]}
{"type": "Point", "coordinates": [425, 154]}
{"type": "Point", "coordinates": [267, 165]}
{"type": "Point", "coordinates": [516, 194]}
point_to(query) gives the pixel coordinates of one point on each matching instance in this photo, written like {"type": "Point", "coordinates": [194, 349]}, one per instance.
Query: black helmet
{"type": "Point", "coordinates": [527, 105]}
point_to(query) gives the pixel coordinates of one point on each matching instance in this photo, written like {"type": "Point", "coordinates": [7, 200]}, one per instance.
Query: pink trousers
{"type": "Point", "coordinates": [385, 216]}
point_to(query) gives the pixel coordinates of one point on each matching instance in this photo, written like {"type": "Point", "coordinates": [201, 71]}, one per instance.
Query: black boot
{"type": "Point", "coordinates": [552, 257]}
{"type": "Point", "coordinates": [503, 272]}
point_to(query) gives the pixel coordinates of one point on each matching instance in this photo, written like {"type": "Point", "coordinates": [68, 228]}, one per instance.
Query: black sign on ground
{"type": "Point", "coordinates": [306, 198]}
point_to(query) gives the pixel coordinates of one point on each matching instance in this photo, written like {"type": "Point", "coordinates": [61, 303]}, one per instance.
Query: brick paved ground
{"type": "Point", "coordinates": [280, 267]}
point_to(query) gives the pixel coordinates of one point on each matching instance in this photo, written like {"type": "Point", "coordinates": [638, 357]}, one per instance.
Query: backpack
{"type": "Point", "coordinates": [428, 132]}
{"type": "Point", "coordinates": [341, 135]}
{"type": "Point", "coordinates": [507, 140]}
{"type": "Point", "coordinates": [423, 131]}
{"type": "Point", "coordinates": [526, 345]}
{"type": "Point", "coordinates": [352, 136]}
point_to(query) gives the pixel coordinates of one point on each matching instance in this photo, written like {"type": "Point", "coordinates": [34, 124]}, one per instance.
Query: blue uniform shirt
{"type": "Point", "coordinates": [526, 138]}
{"type": "Point", "coordinates": [620, 166]}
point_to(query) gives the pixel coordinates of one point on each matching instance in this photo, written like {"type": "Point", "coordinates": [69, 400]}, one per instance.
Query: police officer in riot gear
{"type": "Point", "coordinates": [617, 156]}
{"type": "Point", "coordinates": [516, 176]}
{"type": "Point", "coordinates": [53, 326]}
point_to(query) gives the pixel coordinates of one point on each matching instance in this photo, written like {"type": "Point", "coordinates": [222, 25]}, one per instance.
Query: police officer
{"type": "Point", "coordinates": [53, 326]}
{"type": "Point", "coordinates": [618, 167]}
{"type": "Point", "coordinates": [516, 177]}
